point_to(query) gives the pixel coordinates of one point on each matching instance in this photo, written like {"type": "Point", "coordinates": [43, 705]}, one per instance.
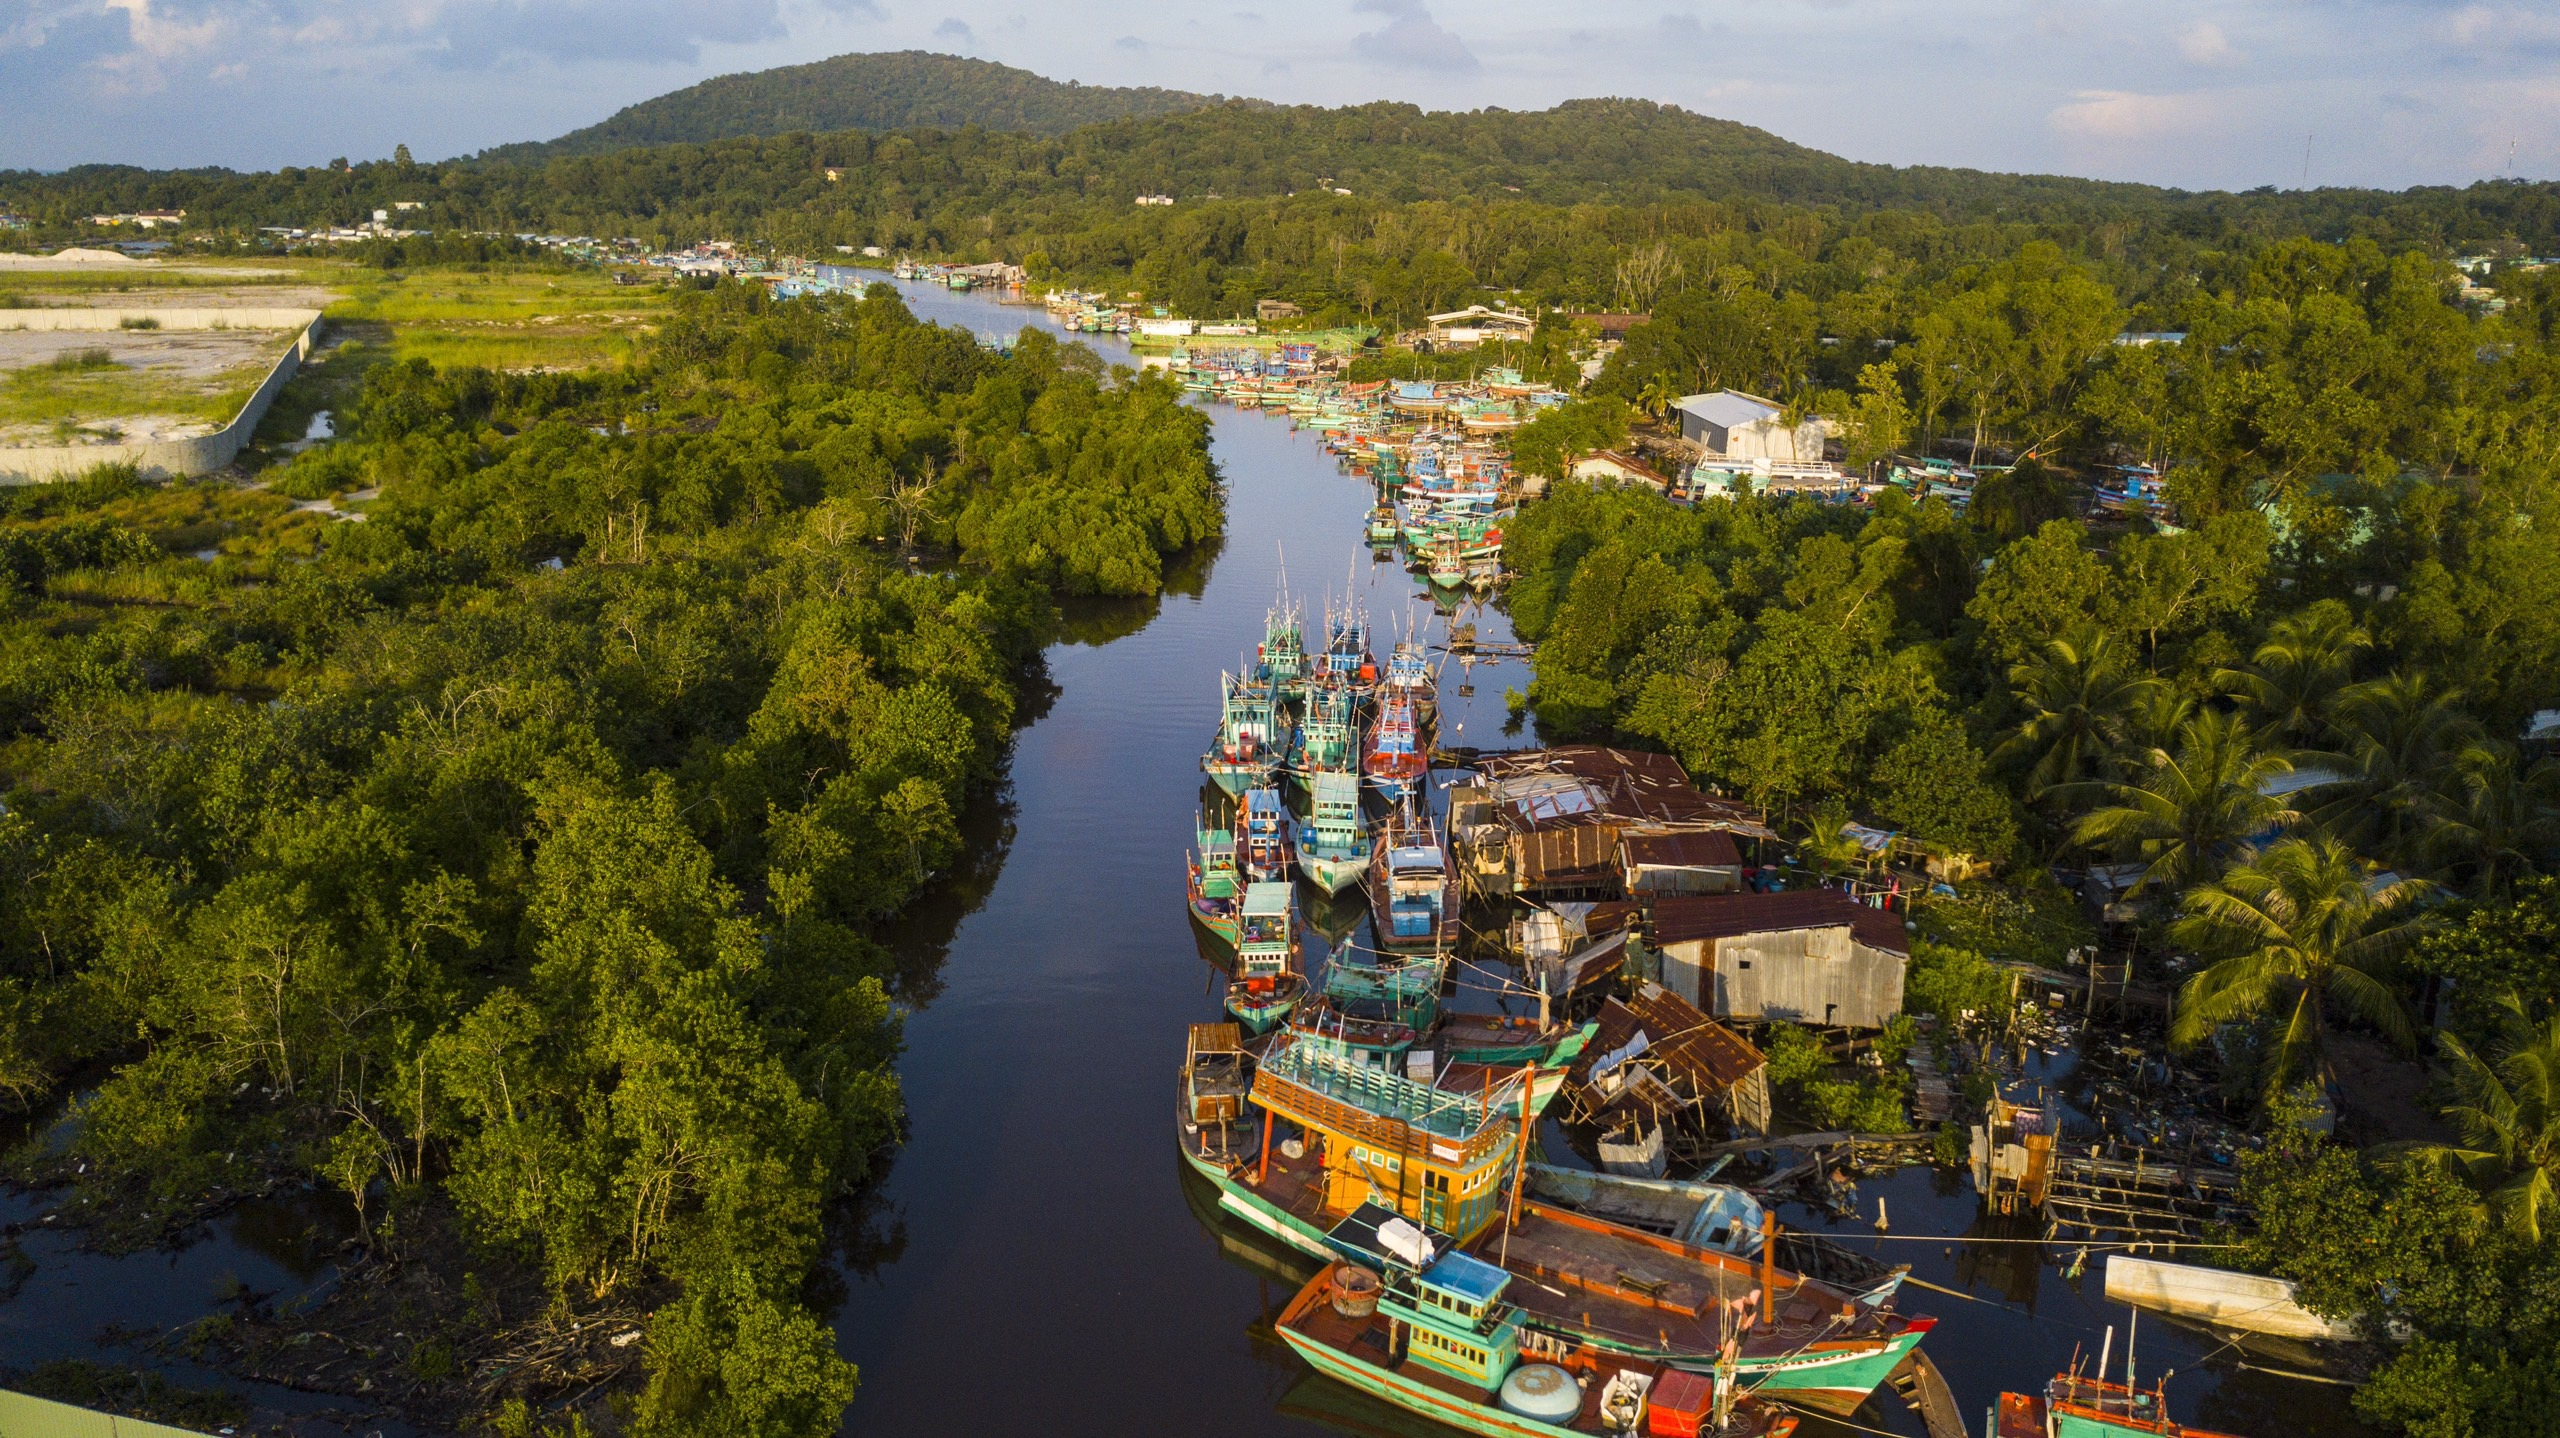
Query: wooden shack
{"type": "Point", "coordinates": [1658, 1062]}
{"type": "Point", "coordinates": [1689, 862]}
{"type": "Point", "coordinates": [1808, 956]}
{"type": "Point", "coordinates": [1552, 823]}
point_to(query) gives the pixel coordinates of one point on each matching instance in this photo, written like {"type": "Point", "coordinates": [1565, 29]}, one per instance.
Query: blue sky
{"type": "Point", "coordinates": [2385, 92]}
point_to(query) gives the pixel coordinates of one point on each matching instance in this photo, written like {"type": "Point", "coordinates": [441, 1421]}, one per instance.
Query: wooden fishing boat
{"type": "Point", "coordinates": [1701, 1214]}
{"type": "Point", "coordinates": [1216, 885]}
{"type": "Point", "coordinates": [2077, 1407]}
{"type": "Point", "coordinates": [1328, 736]}
{"type": "Point", "coordinates": [1431, 1332]}
{"type": "Point", "coordinates": [1345, 662]}
{"type": "Point", "coordinates": [1397, 760]}
{"type": "Point", "coordinates": [1333, 841]}
{"type": "Point", "coordinates": [1409, 673]}
{"type": "Point", "coordinates": [1248, 749]}
{"type": "Point", "coordinates": [1268, 982]}
{"type": "Point", "coordinates": [1413, 888]}
{"type": "Point", "coordinates": [1265, 841]}
{"type": "Point", "coordinates": [1217, 1124]}
{"type": "Point", "coordinates": [1404, 987]}
{"type": "Point", "coordinates": [1384, 528]}
{"type": "Point", "coordinates": [1280, 661]}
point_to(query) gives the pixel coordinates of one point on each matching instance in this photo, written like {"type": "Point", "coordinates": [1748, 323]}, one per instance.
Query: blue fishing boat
{"type": "Point", "coordinates": [1265, 840]}
{"type": "Point", "coordinates": [1268, 982]}
{"type": "Point", "coordinates": [1345, 662]}
{"type": "Point", "coordinates": [1333, 841]}
{"type": "Point", "coordinates": [1397, 759]}
{"type": "Point", "coordinates": [1249, 748]}
{"type": "Point", "coordinates": [1413, 888]}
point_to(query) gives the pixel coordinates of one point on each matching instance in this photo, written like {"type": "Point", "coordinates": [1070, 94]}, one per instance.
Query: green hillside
{"type": "Point", "coordinates": [901, 90]}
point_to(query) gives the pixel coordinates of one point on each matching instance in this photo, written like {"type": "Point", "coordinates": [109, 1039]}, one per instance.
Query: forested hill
{"type": "Point", "coordinates": [901, 90]}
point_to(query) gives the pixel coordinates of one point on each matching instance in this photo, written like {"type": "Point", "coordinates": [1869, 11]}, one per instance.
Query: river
{"type": "Point", "coordinates": [1037, 1259]}
{"type": "Point", "coordinates": [1040, 1261]}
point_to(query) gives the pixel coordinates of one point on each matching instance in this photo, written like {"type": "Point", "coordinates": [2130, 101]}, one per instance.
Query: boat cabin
{"type": "Point", "coordinates": [1436, 1156]}
{"type": "Point", "coordinates": [1451, 1302]}
{"type": "Point", "coordinates": [1264, 946]}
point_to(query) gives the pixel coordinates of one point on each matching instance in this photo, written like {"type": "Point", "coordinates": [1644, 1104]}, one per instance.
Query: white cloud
{"type": "Point", "coordinates": [1412, 40]}
{"type": "Point", "coordinates": [2203, 43]}
{"type": "Point", "coordinates": [2124, 115]}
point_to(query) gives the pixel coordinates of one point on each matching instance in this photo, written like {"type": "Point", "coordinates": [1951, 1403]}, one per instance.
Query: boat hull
{"type": "Point", "coordinates": [1235, 777]}
{"type": "Point", "coordinates": [1332, 875]}
{"type": "Point", "coordinates": [1420, 1398]}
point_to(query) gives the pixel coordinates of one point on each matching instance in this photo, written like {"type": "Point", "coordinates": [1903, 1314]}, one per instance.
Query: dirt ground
{"type": "Point", "coordinates": [175, 354]}
{"type": "Point", "coordinates": [186, 297]}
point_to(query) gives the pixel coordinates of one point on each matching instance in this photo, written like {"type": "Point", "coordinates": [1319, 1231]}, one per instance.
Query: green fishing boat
{"type": "Point", "coordinates": [1328, 738]}
{"type": "Point", "coordinates": [1267, 982]}
{"type": "Point", "coordinates": [1249, 748]}
{"type": "Point", "coordinates": [1432, 1332]}
{"type": "Point", "coordinates": [1216, 884]}
{"type": "Point", "coordinates": [1333, 840]}
{"type": "Point", "coordinates": [1383, 527]}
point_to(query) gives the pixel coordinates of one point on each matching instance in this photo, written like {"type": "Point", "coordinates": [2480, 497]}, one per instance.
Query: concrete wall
{"type": "Point", "coordinates": [174, 317]}
{"type": "Point", "coordinates": [165, 458]}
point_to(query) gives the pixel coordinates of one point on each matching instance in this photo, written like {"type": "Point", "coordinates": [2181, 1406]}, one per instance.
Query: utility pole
{"type": "Point", "coordinates": [2306, 162]}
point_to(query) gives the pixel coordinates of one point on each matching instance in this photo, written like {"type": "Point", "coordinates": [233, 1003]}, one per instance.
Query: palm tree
{"type": "Point", "coordinates": [2509, 1116]}
{"type": "Point", "coordinates": [2394, 743]}
{"type": "Point", "coordinates": [2191, 808]}
{"type": "Point", "coordinates": [2305, 925]}
{"type": "Point", "coordinates": [2307, 658]}
{"type": "Point", "coordinates": [2497, 820]}
{"type": "Point", "coordinates": [2078, 693]}
{"type": "Point", "coordinates": [1829, 847]}
{"type": "Point", "coordinates": [1658, 396]}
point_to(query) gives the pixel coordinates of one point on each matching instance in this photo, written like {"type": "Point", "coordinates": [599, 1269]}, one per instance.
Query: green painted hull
{"type": "Point", "coordinates": [1834, 1382]}
{"type": "Point", "coordinates": [1421, 1398]}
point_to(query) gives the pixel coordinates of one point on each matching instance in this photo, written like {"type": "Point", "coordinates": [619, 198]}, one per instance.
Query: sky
{"type": "Point", "coordinates": [2231, 95]}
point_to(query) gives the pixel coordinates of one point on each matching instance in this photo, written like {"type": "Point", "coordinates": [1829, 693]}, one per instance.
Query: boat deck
{"type": "Point", "coordinates": [1368, 1342]}
{"type": "Point", "coordinates": [1585, 1276]}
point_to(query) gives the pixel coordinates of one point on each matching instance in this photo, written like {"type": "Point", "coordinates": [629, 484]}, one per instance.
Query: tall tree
{"type": "Point", "coordinates": [2304, 926]}
{"type": "Point", "coordinates": [2191, 808]}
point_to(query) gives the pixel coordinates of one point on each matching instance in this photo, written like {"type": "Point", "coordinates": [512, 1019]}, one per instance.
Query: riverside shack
{"type": "Point", "coordinates": [1808, 956]}
{"type": "Point", "coordinates": [1552, 823]}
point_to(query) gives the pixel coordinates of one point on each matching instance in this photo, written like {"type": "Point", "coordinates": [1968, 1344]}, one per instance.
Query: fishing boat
{"type": "Point", "coordinates": [1247, 750]}
{"type": "Point", "coordinates": [1345, 662]}
{"type": "Point", "coordinates": [1384, 529]}
{"type": "Point", "coordinates": [2074, 1406]}
{"type": "Point", "coordinates": [1280, 661]}
{"type": "Point", "coordinates": [1409, 674]}
{"type": "Point", "coordinates": [1264, 841]}
{"type": "Point", "coordinates": [1701, 1214]}
{"type": "Point", "coordinates": [1268, 982]}
{"type": "Point", "coordinates": [1216, 885]}
{"type": "Point", "coordinates": [1444, 561]}
{"type": "Point", "coordinates": [1405, 987]}
{"type": "Point", "coordinates": [1431, 1332]}
{"type": "Point", "coordinates": [1217, 1073]}
{"type": "Point", "coordinates": [1396, 761]}
{"type": "Point", "coordinates": [1413, 888]}
{"type": "Point", "coordinates": [1328, 737]}
{"type": "Point", "coordinates": [1333, 840]}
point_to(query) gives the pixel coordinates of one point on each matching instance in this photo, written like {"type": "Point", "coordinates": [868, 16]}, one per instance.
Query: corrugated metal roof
{"type": "Point", "coordinates": [1711, 1056]}
{"type": "Point", "coordinates": [1728, 409]}
{"type": "Point", "coordinates": [1724, 916]}
{"type": "Point", "coordinates": [1626, 785]}
{"type": "Point", "coordinates": [1694, 849]}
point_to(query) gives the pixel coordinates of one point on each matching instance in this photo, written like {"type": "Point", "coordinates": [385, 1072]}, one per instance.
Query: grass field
{"type": "Point", "coordinates": [502, 319]}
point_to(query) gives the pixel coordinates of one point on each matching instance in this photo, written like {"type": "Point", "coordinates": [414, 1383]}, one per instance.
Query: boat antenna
{"type": "Point", "coordinates": [2105, 1349]}
{"type": "Point", "coordinates": [2133, 1327]}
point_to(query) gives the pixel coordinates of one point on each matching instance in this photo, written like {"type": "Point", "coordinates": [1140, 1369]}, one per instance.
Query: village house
{"type": "Point", "coordinates": [1731, 425]}
{"type": "Point", "coordinates": [1276, 310]}
{"type": "Point", "coordinates": [1808, 956]}
{"type": "Point", "coordinates": [1551, 823]}
{"type": "Point", "coordinates": [1479, 324]}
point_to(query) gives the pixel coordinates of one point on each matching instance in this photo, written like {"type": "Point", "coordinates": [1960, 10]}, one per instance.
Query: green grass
{"type": "Point", "coordinates": [504, 319]}
{"type": "Point", "coordinates": [85, 392]}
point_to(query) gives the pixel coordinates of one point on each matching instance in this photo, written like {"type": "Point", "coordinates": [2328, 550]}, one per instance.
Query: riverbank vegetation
{"type": "Point", "coordinates": [508, 860]}
{"type": "Point", "coordinates": [2296, 725]}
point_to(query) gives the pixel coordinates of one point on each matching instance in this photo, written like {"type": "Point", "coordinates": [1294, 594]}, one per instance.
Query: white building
{"type": "Point", "coordinates": [1732, 425]}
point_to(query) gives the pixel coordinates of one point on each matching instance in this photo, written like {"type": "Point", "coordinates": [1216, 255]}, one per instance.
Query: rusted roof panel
{"type": "Point", "coordinates": [1724, 916]}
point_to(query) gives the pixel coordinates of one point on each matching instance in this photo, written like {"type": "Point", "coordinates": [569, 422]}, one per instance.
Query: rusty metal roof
{"type": "Point", "coordinates": [1725, 916]}
{"type": "Point", "coordinates": [1622, 786]}
{"type": "Point", "coordinates": [1687, 849]}
{"type": "Point", "coordinates": [1712, 1057]}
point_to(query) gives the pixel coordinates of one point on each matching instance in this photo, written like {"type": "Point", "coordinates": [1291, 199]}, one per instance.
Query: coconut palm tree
{"type": "Point", "coordinates": [2307, 658]}
{"type": "Point", "coordinates": [1828, 846]}
{"type": "Point", "coordinates": [2499, 820]}
{"type": "Point", "coordinates": [1658, 396]}
{"type": "Point", "coordinates": [2190, 808]}
{"type": "Point", "coordinates": [2509, 1119]}
{"type": "Point", "coordinates": [2394, 743]}
{"type": "Point", "coordinates": [2304, 925]}
{"type": "Point", "coordinates": [2078, 693]}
